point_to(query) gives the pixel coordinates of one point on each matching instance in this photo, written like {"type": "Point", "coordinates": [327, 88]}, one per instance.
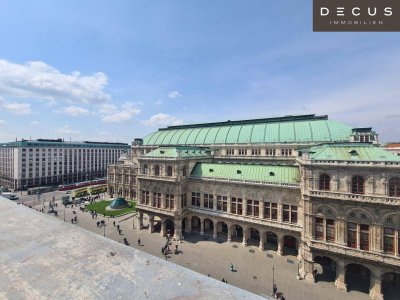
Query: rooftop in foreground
{"type": "Point", "coordinates": [45, 258]}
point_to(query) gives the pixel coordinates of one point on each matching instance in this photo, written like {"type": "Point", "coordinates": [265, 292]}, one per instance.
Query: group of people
{"type": "Point", "coordinates": [101, 223]}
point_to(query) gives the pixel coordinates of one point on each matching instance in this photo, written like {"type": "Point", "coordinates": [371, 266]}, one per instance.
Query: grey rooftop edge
{"type": "Point", "coordinates": [44, 258]}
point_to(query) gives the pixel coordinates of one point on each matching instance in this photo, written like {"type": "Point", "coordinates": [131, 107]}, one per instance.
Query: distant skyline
{"type": "Point", "coordinates": [117, 70]}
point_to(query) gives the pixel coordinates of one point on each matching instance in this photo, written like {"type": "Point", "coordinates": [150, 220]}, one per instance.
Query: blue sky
{"type": "Point", "coordinates": [116, 70]}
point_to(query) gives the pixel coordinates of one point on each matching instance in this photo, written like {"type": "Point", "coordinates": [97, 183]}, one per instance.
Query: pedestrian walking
{"type": "Point", "coordinates": [76, 219]}
{"type": "Point", "coordinates": [114, 223]}
{"type": "Point", "coordinates": [274, 289]}
{"type": "Point", "coordinates": [138, 241]}
{"type": "Point", "coordinates": [118, 226]}
{"type": "Point", "coordinates": [72, 221]}
{"type": "Point", "coordinates": [162, 249]}
{"type": "Point", "coordinates": [223, 279]}
{"type": "Point", "coordinates": [231, 267]}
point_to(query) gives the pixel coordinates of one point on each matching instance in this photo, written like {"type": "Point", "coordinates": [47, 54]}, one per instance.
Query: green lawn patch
{"type": "Point", "coordinates": [100, 208]}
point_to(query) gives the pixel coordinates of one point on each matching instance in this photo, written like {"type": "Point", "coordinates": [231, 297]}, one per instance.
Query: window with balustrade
{"type": "Point", "coordinates": [169, 171]}
{"type": "Point", "coordinates": [237, 206]}
{"type": "Point", "coordinates": [145, 169]}
{"type": "Point", "coordinates": [157, 170]}
{"type": "Point", "coordinates": [319, 229]}
{"type": "Point", "coordinates": [394, 187]}
{"type": "Point", "coordinates": [208, 201]}
{"type": "Point", "coordinates": [270, 210]}
{"type": "Point", "coordinates": [222, 203]}
{"type": "Point", "coordinates": [157, 200]}
{"type": "Point", "coordinates": [195, 199]}
{"type": "Point", "coordinates": [169, 201]}
{"type": "Point", "coordinates": [289, 213]}
{"type": "Point", "coordinates": [253, 208]}
{"type": "Point", "coordinates": [388, 240]}
{"type": "Point", "coordinates": [357, 185]}
{"type": "Point", "coordinates": [324, 182]}
{"type": "Point", "coordinates": [145, 197]}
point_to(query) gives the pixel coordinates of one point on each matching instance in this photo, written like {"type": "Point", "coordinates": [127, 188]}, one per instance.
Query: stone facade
{"type": "Point", "coordinates": [341, 216]}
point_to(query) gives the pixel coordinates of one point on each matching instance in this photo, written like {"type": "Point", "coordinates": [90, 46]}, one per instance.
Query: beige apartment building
{"type": "Point", "coordinates": [302, 185]}
{"type": "Point", "coordinates": [48, 162]}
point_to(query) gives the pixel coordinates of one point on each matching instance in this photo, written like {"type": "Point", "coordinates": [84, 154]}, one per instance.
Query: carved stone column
{"type": "Point", "coordinates": [151, 224]}
{"type": "Point", "coordinates": [229, 233]}
{"type": "Point", "coordinates": [163, 230]}
{"type": "Point", "coordinates": [215, 233]}
{"type": "Point", "coordinates": [201, 226]}
{"type": "Point", "coordinates": [140, 216]}
{"type": "Point", "coordinates": [178, 229]}
{"type": "Point", "coordinates": [245, 236]}
{"type": "Point", "coordinates": [262, 240]}
{"type": "Point", "coordinates": [280, 245]}
{"type": "Point", "coordinates": [375, 291]}
{"type": "Point", "coordinates": [340, 282]}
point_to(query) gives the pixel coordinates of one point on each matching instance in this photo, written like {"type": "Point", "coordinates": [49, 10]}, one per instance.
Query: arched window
{"type": "Point", "coordinates": [324, 182]}
{"type": "Point", "coordinates": [145, 169]}
{"type": "Point", "coordinates": [169, 171]}
{"type": "Point", "coordinates": [357, 185]}
{"type": "Point", "coordinates": [157, 170]}
{"type": "Point", "coordinates": [394, 187]}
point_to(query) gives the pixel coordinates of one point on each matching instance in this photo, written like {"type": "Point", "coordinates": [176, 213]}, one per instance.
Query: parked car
{"type": "Point", "coordinates": [13, 197]}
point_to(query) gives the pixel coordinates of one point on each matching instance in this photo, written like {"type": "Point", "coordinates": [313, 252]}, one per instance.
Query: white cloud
{"type": "Point", "coordinates": [112, 114]}
{"type": "Point", "coordinates": [15, 107]}
{"type": "Point", "coordinates": [38, 80]}
{"type": "Point", "coordinates": [74, 111]}
{"type": "Point", "coordinates": [3, 122]}
{"type": "Point", "coordinates": [158, 102]}
{"type": "Point", "coordinates": [67, 130]}
{"type": "Point", "coordinates": [163, 120]}
{"type": "Point", "coordinates": [34, 123]}
{"type": "Point", "coordinates": [174, 95]}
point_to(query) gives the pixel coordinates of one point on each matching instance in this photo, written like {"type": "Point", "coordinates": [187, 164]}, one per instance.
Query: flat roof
{"type": "Point", "coordinates": [64, 144]}
{"type": "Point", "coordinates": [42, 257]}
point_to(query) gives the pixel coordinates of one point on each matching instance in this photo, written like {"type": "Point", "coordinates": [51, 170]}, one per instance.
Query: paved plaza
{"type": "Point", "coordinates": [253, 267]}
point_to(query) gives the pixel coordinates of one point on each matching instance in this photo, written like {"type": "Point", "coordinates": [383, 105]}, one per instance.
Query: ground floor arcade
{"type": "Point", "coordinates": [281, 241]}
{"type": "Point", "coordinates": [376, 280]}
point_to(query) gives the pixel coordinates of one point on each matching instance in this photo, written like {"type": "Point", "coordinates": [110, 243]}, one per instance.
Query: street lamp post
{"type": "Point", "coordinates": [104, 227]}
{"type": "Point", "coordinates": [273, 280]}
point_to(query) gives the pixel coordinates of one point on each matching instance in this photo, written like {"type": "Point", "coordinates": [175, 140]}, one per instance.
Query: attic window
{"type": "Point", "coordinates": [186, 151]}
{"type": "Point", "coordinates": [353, 152]}
{"type": "Point", "coordinates": [239, 172]}
{"type": "Point", "coordinates": [162, 151]}
{"type": "Point", "coordinates": [271, 174]}
{"type": "Point", "coordinates": [211, 170]}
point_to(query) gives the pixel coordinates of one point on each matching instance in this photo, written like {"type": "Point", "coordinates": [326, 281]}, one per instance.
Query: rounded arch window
{"type": "Point", "coordinates": [394, 187]}
{"type": "Point", "coordinates": [357, 185]}
{"type": "Point", "coordinates": [169, 171]}
{"type": "Point", "coordinates": [157, 170]}
{"type": "Point", "coordinates": [145, 169]}
{"type": "Point", "coordinates": [324, 182]}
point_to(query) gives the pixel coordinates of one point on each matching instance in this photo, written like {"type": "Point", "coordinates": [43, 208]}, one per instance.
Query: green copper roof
{"type": "Point", "coordinates": [175, 152]}
{"type": "Point", "coordinates": [352, 151]}
{"type": "Point", "coordinates": [291, 129]}
{"type": "Point", "coordinates": [244, 172]}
